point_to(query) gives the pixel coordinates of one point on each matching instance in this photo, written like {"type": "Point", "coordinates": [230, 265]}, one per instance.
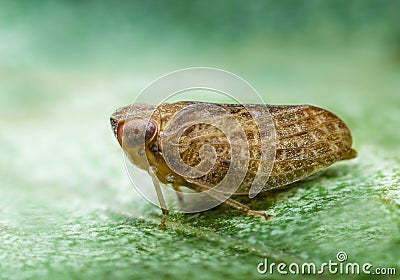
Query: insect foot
{"type": "Point", "coordinates": [258, 213]}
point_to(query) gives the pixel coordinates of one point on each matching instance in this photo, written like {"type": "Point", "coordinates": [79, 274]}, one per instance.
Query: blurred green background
{"type": "Point", "coordinates": [67, 208]}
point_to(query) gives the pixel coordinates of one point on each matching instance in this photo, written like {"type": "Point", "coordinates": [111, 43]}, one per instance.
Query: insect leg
{"type": "Point", "coordinates": [160, 197]}
{"type": "Point", "coordinates": [178, 192]}
{"type": "Point", "coordinates": [239, 206]}
{"type": "Point", "coordinates": [231, 202]}
{"type": "Point", "coordinates": [171, 178]}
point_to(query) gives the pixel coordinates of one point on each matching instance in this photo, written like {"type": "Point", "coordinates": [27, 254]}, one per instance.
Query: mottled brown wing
{"type": "Point", "coordinates": [307, 139]}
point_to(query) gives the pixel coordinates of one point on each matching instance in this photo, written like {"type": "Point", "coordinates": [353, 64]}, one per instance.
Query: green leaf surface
{"type": "Point", "coordinates": [67, 207]}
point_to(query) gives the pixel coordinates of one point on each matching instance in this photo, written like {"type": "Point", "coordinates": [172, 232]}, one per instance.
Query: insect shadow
{"type": "Point", "coordinates": [265, 200]}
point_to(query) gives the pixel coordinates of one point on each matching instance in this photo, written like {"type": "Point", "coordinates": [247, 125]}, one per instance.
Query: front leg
{"type": "Point", "coordinates": [161, 200]}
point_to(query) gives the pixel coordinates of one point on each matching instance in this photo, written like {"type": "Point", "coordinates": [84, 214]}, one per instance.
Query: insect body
{"type": "Point", "coordinates": [299, 141]}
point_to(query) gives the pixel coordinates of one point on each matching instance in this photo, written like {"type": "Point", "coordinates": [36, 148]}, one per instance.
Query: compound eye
{"type": "Point", "coordinates": [151, 130]}
{"type": "Point", "coordinates": [134, 133]}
